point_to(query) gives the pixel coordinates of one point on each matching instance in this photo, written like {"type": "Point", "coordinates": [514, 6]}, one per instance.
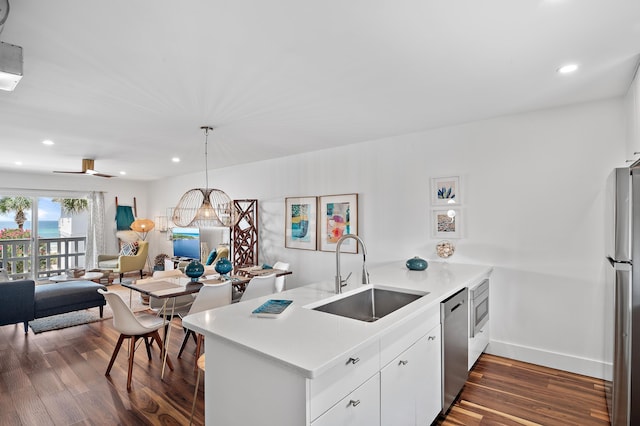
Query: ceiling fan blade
{"type": "Point", "coordinates": [87, 169]}
{"type": "Point", "coordinates": [97, 173]}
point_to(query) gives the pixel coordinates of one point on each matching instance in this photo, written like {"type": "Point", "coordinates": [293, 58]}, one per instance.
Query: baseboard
{"type": "Point", "coordinates": [570, 363]}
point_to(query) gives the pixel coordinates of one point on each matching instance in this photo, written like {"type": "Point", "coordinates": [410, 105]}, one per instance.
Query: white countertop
{"type": "Point", "coordinates": [311, 341]}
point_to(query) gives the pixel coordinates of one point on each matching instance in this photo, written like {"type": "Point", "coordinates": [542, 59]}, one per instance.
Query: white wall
{"type": "Point", "coordinates": [533, 187]}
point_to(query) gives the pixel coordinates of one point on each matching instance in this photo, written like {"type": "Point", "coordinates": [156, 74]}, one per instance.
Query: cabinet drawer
{"type": "Point", "coordinates": [343, 378]}
{"type": "Point", "coordinates": [478, 344]}
{"type": "Point", "coordinates": [360, 408]}
{"type": "Point", "coordinates": [401, 337]}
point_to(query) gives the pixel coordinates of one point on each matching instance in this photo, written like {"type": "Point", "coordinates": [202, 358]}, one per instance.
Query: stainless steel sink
{"type": "Point", "coordinates": [369, 305]}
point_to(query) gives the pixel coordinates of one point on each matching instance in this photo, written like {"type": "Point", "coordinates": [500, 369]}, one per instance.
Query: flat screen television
{"type": "Point", "coordinates": [186, 242]}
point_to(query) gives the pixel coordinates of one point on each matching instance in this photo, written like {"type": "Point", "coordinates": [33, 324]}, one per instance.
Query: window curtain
{"type": "Point", "coordinates": [95, 231]}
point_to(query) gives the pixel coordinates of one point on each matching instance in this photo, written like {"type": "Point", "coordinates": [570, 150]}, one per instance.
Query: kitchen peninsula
{"type": "Point", "coordinates": [315, 368]}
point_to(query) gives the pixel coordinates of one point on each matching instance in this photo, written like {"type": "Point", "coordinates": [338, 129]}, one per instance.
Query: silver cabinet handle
{"type": "Point", "coordinates": [354, 403]}
{"type": "Point", "coordinates": [353, 360]}
{"type": "Point", "coordinates": [431, 338]}
{"type": "Point", "coordinates": [403, 362]}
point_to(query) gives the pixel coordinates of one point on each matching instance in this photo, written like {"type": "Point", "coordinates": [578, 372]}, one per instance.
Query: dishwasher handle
{"type": "Point", "coordinates": [451, 305]}
{"type": "Point", "coordinates": [456, 307]}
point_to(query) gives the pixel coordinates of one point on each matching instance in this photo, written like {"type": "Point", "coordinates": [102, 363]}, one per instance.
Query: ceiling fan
{"type": "Point", "coordinates": [87, 169]}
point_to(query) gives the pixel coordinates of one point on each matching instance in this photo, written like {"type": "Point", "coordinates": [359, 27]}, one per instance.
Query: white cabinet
{"type": "Point", "coordinates": [354, 391]}
{"type": "Point", "coordinates": [360, 408]}
{"type": "Point", "coordinates": [433, 377]}
{"type": "Point", "coordinates": [478, 343]}
{"type": "Point", "coordinates": [410, 390]}
{"type": "Point", "coordinates": [394, 379]}
{"type": "Point", "coordinates": [352, 370]}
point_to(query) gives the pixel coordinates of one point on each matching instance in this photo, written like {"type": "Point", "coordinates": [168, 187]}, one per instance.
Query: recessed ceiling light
{"type": "Point", "coordinates": [18, 163]}
{"type": "Point", "coordinates": [123, 172]}
{"type": "Point", "coordinates": [567, 69]}
{"type": "Point", "coordinates": [175, 159]}
{"type": "Point", "coordinates": [47, 142]}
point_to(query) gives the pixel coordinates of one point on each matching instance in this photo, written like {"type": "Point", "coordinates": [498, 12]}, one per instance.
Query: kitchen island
{"type": "Point", "coordinates": [296, 369]}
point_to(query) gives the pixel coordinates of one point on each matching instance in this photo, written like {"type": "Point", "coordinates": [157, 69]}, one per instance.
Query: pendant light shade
{"type": "Point", "coordinates": [205, 207]}
{"type": "Point", "coordinates": [142, 225]}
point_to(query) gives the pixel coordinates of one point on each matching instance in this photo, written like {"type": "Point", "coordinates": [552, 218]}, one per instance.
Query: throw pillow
{"type": "Point", "coordinates": [129, 249]}
{"type": "Point", "coordinates": [211, 257]}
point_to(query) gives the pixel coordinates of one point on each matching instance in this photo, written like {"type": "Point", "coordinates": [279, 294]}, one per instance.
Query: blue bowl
{"type": "Point", "coordinates": [417, 264]}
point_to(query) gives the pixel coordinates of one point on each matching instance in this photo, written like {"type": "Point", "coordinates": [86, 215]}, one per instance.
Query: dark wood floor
{"type": "Point", "coordinates": [501, 391]}
{"type": "Point", "coordinates": [57, 377]}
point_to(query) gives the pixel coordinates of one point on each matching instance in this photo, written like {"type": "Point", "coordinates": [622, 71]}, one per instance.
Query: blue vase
{"type": "Point", "coordinates": [417, 264]}
{"type": "Point", "coordinates": [223, 266]}
{"type": "Point", "coordinates": [194, 270]}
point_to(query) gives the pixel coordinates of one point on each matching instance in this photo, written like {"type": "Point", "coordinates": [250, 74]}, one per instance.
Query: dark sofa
{"type": "Point", "coordinates": [23, 301]}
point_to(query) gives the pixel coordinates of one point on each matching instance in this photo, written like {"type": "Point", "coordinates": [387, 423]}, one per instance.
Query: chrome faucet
{"type": "Point", "coordinates": [365, 274]}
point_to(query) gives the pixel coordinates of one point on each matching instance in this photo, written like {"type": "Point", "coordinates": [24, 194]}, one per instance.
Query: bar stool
{"type": "Point", "coordinates": [195, 393]}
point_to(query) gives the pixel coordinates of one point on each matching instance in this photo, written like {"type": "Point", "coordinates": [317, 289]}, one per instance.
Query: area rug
{"type": "Point", "coordinates": [86, 316]}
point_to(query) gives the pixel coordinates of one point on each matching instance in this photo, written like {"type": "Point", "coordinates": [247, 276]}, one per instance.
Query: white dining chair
{"type": "Point", "coordinates": [261, 285]}
{"type": "Point", "coordinates": [280, 281]}
{"type": "Point", "coordinates": [133, 327]}
{"type": "Point", "coordinates": [210, 296]}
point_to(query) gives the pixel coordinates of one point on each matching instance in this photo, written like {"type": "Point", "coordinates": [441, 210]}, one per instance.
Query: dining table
{"type": "Point", "coordinates": [167, 289]}
{"type": "Point", "coordinates": [242, 275]}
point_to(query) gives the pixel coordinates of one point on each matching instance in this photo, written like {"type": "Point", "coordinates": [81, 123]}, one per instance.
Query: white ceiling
{"type": "Point", "coordinates": [129, 83]}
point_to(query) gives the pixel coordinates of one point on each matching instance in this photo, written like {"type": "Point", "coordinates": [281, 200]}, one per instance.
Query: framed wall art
{"type": "Point", "coordinates": [446, 223]}
{"type": "Point", "coordinates": [445, 191]}
{"type": "Point", "coordinates": [338, 216]}
{"type": "Point", "coordinates": [301, 223]}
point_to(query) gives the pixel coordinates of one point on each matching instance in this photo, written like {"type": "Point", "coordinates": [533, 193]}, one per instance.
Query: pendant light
{"type": "Point", "coordinates": [205, 207]}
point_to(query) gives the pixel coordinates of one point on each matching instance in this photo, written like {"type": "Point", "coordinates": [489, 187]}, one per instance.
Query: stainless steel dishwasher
{"type": "Point", "coordinates": [454, 315]}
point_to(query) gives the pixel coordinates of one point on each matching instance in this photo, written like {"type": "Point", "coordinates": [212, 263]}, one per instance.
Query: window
{"type": "Point", "coordinates": [59, 233]}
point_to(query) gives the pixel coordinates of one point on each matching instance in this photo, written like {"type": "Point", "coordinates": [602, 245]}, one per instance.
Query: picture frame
{"type": "Point", "coordinates": [301, 223]}
{"type": "Point", "coordinates": [445, 191]}
{"type": "Point", "coordinates": [446, 223]}
{"type": "Point", "coordinates": [338, 215]}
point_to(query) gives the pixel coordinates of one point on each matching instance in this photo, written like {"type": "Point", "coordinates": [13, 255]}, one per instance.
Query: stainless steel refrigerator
{"type": "Point", "coordinates": [623, 391]}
